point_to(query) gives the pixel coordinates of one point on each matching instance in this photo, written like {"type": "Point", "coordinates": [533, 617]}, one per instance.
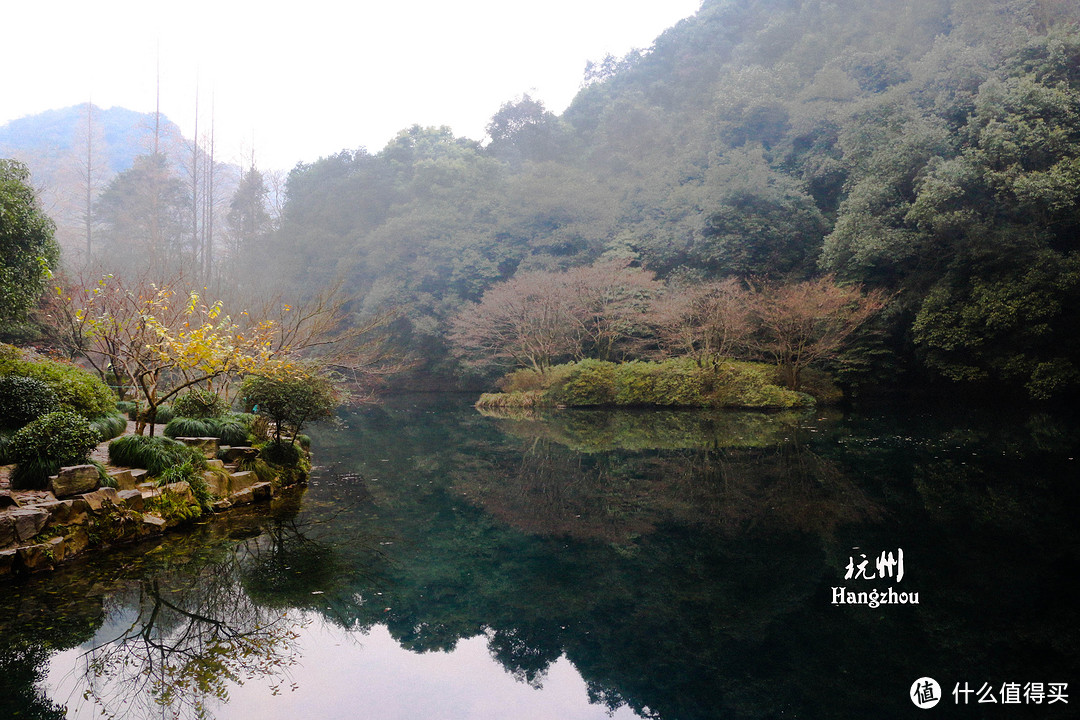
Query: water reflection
{"type": "Point", "coordinates": [591, 570]}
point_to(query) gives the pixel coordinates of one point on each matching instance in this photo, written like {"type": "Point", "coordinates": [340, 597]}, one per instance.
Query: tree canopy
{"type": "Point", "coordinates": [28, 253]}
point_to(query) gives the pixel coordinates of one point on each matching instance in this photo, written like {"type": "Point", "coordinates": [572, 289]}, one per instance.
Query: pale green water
{"type": "Point", "coordinates": [444, 564]}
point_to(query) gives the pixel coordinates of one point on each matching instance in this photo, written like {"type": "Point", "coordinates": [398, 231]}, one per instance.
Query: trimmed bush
{"type": "Point", "coordinates": [154, 454]}
{"type": "Point", "coordinates": [23, 399]}
{"type": "Point", "coordinates": [77, 390]}
{"type": "Point", "coordinates": [200, 404]}
{"type": "Point", "coordinates": [45, 445]}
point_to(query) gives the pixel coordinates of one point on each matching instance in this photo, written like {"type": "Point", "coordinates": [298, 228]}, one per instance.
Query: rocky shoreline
{"type": "Point", "coordinates": [40, 529]}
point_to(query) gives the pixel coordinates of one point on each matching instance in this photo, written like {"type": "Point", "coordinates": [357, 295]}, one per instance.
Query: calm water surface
{"type": "Point", "coordinates": [447, 564]}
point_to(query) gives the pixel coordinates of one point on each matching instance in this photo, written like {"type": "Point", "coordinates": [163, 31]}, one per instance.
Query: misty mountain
{"type": "Point", "coordinates": [54, 145]}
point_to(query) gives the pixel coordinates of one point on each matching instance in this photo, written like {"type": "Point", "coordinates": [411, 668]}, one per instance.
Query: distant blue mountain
{"type": "Point", "coordinates": [119, 136]}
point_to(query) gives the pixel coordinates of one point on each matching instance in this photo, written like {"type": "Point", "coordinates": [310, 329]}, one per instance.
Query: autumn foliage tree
{"type": "Point", "coordinates": [159, 340]}
{"type": "Point", "coordinates": [798, 324]}
{"type": "Point", "coordinates": [706, 321]}
{"type": "Point", "coordinates": [537, 319]}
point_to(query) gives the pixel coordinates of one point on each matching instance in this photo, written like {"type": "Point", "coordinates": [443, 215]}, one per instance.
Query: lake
{"type": "Point", "coordinates": [443, 563]}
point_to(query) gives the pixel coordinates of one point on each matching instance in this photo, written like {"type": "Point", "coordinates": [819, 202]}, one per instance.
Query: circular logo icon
{"type": "Point", "coordinates": [925, 693]}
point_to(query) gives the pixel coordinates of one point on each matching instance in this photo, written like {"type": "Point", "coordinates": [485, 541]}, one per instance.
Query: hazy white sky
{"type": "Point", "coordinates": [308, 78]}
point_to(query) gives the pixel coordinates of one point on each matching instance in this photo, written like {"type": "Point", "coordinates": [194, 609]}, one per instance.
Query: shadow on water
{"type": "Point", "coordinates": [684, 563]}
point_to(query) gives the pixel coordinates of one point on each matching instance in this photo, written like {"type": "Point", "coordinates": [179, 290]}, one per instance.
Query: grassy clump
{"type": "Point", "coordinates": [109, 425]}
{"type": "Point", "coordinates": [155, 454]}
{"type": "Point", "coordinates": [232, 429]}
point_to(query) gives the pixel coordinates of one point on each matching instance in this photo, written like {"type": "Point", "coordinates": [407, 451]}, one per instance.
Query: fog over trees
{"type": "Point", "coordinates": [925, 151]}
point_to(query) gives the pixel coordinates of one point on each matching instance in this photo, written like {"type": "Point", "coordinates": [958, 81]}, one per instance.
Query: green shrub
{"type": "Point", "coordinates": [45, 445]}
{"type": "Point", "coordinates": [127, 407]}
{"type": "Point", "coordinates": [154, 454]}
{"type": "Point", "coordinates": [23, 399]}
{"type": "Point", "coordinates": [193, 476]}
{"type": "Point", "coordinates": [303, 441]}
{"type": "Point", "coordinates": [589, 382]}
{"type": "Point", "coordinates": [200, 404]}
{"type": "Point", "coordinates": [283, 454]}
{"type": "Point", "coordinates": [77, 390]}
{"type": "Point", "coordinates": [524, 380]}
{"type": "Point", "coordinates": [290, 399]}
{"type": "Point", "coordinates": [5, 440]}
{"type": "Point", "coordinates": [110, 425]}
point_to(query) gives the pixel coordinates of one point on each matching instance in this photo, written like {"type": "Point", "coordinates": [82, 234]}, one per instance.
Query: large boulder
{"type": "Point", "coordinates": [101, 498]}
{"type": "Point", "coordinates": [36, 558]}
{"type": "Point", "coordinates": [28, 522]}
{"type": "Point", "coordinates": [7, 531]}
{"type": "Point", "coordinates": [234, 453]}
{"type": "Point", "coordinates": [132, 499]}
{"type": "Point", "coordinates": [124, 479]}
{"type": "Point", "coordinates": [241, 481]}
{"type": "Point", "coordinates": [208, 446]}
{"type": "Point", "coordinates": [74, 480]}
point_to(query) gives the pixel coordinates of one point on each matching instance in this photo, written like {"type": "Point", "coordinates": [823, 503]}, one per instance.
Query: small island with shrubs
{"type": "Point", "coordinates": [74, 475]}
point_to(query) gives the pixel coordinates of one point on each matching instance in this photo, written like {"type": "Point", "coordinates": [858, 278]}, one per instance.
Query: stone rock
{"type": "Point", "coordinates": [101, 498]}
{"type": "Point", "coordinates": [58, 548]}
{"type": "Point", "coordinates": [7, 531]}
{"type": "Point", "coordinates": [243, 497]}
{"type": "Point", "coordinates": [7, 561]}
{"type": "Point", "coordinates": [138, 475]}
{"type": "Point", "coordinates": [180, 489]}
{"type": "Point", "coordinates": [74, 480]}
{"type": "Point", "coordinates": [77, 541]}
{"type": "Point", "coordinates": [217, 483]}
{"type": "Point", "coordinates": [7, 499]}
{"type": "Point", "coordinates": [240, 481]}
{"type": "Point", "coordinates": [124, 479]}
{"type": "Point", "coordinates": [36, 558]}
{"type": "Point", "coordinates": [232, 453]}
{"type": "Point", "coordinates": [133, 499]}
{"type": "Point", "coordinates": [79, 511]}
{"type": "Point", "coordinates": [220, 505]}
{"type": "Point", "coordinates": [59, 510]}
{"type": "Point", "coordinates": [262, 490]}
{"type": "Point", "coordinates": [153, 524]}
{"type": "Point", "coordinates": [207, 445]}
{"type": "Point", "coordinates": [28, 522]}
{"type": "Point", "coordinates": [215, 463]}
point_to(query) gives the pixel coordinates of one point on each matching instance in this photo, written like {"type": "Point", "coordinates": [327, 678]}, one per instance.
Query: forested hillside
{"type": "Point", "coordinates": [927, 147]}
{"type": "Point", "coordinates": [923, 150]}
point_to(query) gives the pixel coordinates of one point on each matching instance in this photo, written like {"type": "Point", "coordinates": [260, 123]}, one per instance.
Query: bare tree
{"type": "Point", "coordinates": [527, 321]}
{"type": "Point", "coordinates": [610, 301]}
{"type": "Point", "coordinates": [706, 321]}
{"type": "Point", "coordinates": [802, 323]}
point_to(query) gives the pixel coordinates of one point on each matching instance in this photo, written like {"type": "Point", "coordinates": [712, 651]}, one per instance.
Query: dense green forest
{"type": "Point", "coordinates": [927, 147]}
{"type": "Point", "coordinates": [924, 150]}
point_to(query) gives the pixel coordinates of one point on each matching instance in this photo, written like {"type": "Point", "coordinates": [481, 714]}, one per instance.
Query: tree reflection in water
{"type": "Point", "coordinates": [583, 475]}
{"type": "Point", "coordinates": [202, 624]}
